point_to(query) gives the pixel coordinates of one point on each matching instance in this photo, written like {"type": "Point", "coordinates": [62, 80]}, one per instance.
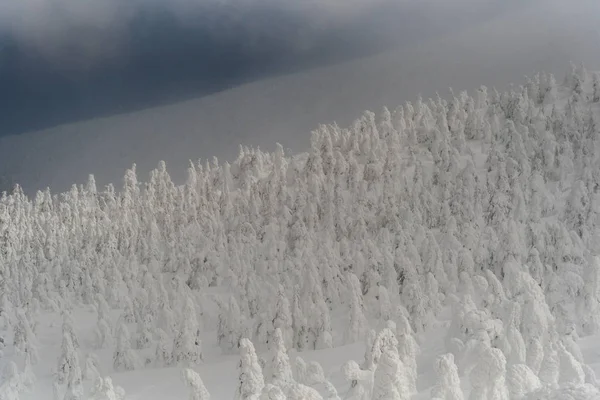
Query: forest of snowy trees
{"type": "Point", "coordinates": [477, 216]}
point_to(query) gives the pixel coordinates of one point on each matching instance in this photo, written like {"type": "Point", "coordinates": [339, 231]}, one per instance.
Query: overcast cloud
{"type": "Point", "coordinates": [61, 63]}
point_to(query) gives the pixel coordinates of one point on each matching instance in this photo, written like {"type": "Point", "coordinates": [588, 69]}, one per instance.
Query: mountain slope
{"type": "Point", "coordinates": [445, 250]}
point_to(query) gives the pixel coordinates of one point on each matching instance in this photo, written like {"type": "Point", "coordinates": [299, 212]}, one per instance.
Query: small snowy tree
{"type": "Point", "coordinates": [300, 370]}
{"type": "Point", "coordinates": [12, 384]}
{"type": "Point", "coordinates": [357, 323]}
{"type": "Point", "coordinates": [387, 380]}
{"type": "Point", "coordinates": [24, 340]}
{"type": "Point", "coordinates": [447, 386]}
{"type": "Point", "coordinates": [124, 358]}
{"type": "Point", "coordinates": [144, 332]}
{"type": "Point", "coordinates": [230, 328]}
{"type": "Point", "coordinates": [103, 334]}
{"type": "Point", "coordinates": [187, 347]}
{"type": "Point", "coordinates": [571, 371]}
{"type": "Point", "coordinates": [361, 381]}
{"type": "Point", "coordinates": [272, 392]}
{"type": "Point", "coordinates": [251, 381]}
{"type": "Point", "coordinates": [162, 354]}
{"type": "Point", "coordinates": [279, 370]}
{"type": "Point", "coordinates": [521, 381]}
{"type": "Point", "coordinates": [103, 389]}
{"type": "Point", "coordinates": [75, 379]}
{"type": "Point", "coordinates": [91, 368]}
{"type": "Point", "coordinates": [194, 382]}
{"type": "Point", "coordinates": [550, 366]}
{"type": "Point", "coordinates": [408, 349]}
{"type": "Point", "coordinates": [596, 84]}
{"type": "Point", "coordinates": [68, 360]}
{"type": "Point", "coordinates": [283, 316]}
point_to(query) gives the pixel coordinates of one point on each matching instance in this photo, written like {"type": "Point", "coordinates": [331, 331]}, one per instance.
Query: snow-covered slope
{"type": "Point", "coordinates": [443, 251]}
{"type": "Point", "coordinates": [539, 35]}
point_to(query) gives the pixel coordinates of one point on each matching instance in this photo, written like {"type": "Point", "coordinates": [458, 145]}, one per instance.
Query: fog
{"type": "Point", "coordinates": [206, 76]}
{"type": "Point", "coordinates": [67, 60]}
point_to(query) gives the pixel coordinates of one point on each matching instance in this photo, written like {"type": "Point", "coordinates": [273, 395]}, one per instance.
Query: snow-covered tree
{"type": "Point", "coordinates": [521, 380]}
{"type": "Point", "coordinates": [596, 87]}
{"type": "Point", "coordinates": [187, 346]}
{"type": "Point", "coordinates": [357, 324]}
{"type": "Point", "coordinates": [231, 327]}
{"type": "Point", "coordinates": [194, 383]}
{"type": "Point", "coordinates": [144, 332]}
{"type": "Point", "coordinates": [162, 354]}
{"type": "Point", "coordinates": [68, 362]}
{"type": "Point", "coordinates": [251, 381]}
{"type": "Point", "coordinates": [279, 371]}
{"type": "Point", "coordinates": [124, 357]}
{"type": "Point", "coordinates": [74, 378]}
{"type": "Point", "coordinates": [571, 371]}
{"type": "Point", "coordinates": [283, 316]}
{"type": "Point", "coordinates": [24, 339]}
{"type": "Point", "coordinates": [408, 349]}
{"type": "Point", "coordinates": [387, 380]}
{"type": "Point", "coordinates": [361, 381]}
{"type": "Point", "coordinates": [91, 369]}
{"type": "Point", "coordinates": [447, 386]}
{"type": "Point", "coordinates": [104, 389]}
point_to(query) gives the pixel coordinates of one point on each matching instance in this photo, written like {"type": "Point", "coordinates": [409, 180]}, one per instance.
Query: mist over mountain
{"type": "Point", "coordinates": [60, 66]}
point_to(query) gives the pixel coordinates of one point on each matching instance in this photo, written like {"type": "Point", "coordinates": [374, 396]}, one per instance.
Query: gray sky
{"type": "Point", "coordinates": [67, 60]}
{"type": "Point", "coordinates": [368, 58]}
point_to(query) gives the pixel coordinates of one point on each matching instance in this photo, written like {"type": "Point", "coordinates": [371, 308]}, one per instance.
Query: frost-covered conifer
{"type": "Point", "coordinates": [187, 346]}
{"type": "Point", "coordinates": [74, 378]}
{"type": "Point", "coordinates": [415, 301]}
{"type": "Point", "coordinates": [386, 311]}
{"type": "Point", "coordinates": [589, 302]}
{"type": "Point", "coordinates": [298, 322]}
{"type": "Point", "coordinates": [279, 371]}
{"type": "Point", "coordinates": [24, 339]}
{"type": "Point", "coordinates": [251, 381]}
{"type": "Point", "coordinates": [521, 380]}
{"type": "Point", "coordinates": [447, 386]}
{"type": "Point", "coordinates": [408, 349]}
{"type": "Point", "coordinates": [124, 358]}
{"type": "Point", "coordinates": [300, 370]}
{"type": "Point", "coordinates": [91, 370]}
{"type": "Point", "coordinates": [194, 383]}
{"type": "Point", "coordinates": [68, 360]}
{"type": "Point", "coordinates": [104, 389]}
{"type": "Point", "coordinates": [272, 392]}
{"type": "Point", "coordinates": [516, 351]}
{"type": "Point", "coordinates": [28, 377]}
{"type": "Point", "coordinates": [361, 381]}
{"type": "Point", "coordinates": [283, 317]}
{"type": "Point", "coordinates": [12, 384]}
{"type": "Point", "coordinates": [314, 374]}
{"type": "Point", "coordinates": [357, 321]}
{"type": "Point", "coordinates": [387, 382]}
{"type": "Point", "coordinates": [144, 332]}
{"type": "Point", "coordinates": [571, 371]}
{"type": "Point", "coordinates": [550, 366]}
{"type": "Point", "coordinates": [103, 333]}
{"type": "Point", "coordinates": [128, 311]}
{"type": "Point", "coordinates": [301, 392]}
{"type": "Point", "coordinates": [596, 87]}
{"type": "Point", "coordinates": [166, 319]}
{"type": "Point", "coordinates": [162, 354]}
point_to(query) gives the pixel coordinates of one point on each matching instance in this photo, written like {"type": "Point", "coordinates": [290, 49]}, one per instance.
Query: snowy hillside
{"type": "Point", "coordinates": [283, 109]}
{"type": "Point", "coordinates": [445, 250]}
